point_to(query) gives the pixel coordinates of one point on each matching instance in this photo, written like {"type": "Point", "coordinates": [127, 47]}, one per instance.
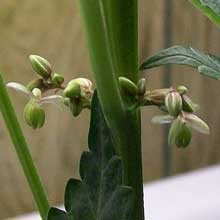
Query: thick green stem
{"type": "Point", "coordinates": [111, 28]}
{"type": "Point", "coordinates": [22, 150]}
{"type": "Point", "coordinates": [103, 59]}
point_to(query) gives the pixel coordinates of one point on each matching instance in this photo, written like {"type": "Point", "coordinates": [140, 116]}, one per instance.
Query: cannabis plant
{"type": "Point", "coordinates": [111, 184]}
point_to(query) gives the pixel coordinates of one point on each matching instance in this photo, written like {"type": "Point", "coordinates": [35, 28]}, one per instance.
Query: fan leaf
{"type": "Point", "coordinates": [208, 65]}
{"type": "Point", "coordinates": [210, 8]}
{"type": "Point", "coordinates": [100, 194]}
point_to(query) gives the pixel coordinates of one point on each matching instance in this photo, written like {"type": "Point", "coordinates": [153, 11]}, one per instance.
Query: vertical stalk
{"type": "Point", "coordinates": [112, 34]}
{"type": "Point", "coordinates": [22, 150]}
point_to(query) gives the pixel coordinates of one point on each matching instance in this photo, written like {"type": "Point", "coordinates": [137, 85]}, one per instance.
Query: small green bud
{"type": "Point", "coordinates": [141, 87]}
{"type": "Point", "coordinates": [127, 86]}
{"type": "Point", "coordinates": [72, 90]}
{"type": "Point", "coordinates": [182, 90]}
{"type": "Point", "coordinates": [34, 114]}
{"type": "Point", "coordinates": [57, 79]}
{"type": "Point", "coordinates": [173, 102]}
{"type": "Point", "coordinates": [175, 128]}
{"type": "Point", "coordinates": [79, 87]}
{"type": "Point", "coordinates": [184, 137]}
{"type": "Point", "coordinates": [36, 83]}
{"type": "Point", "coordinates": [41, 66]}
{"type": "Point", "coordinates": [188, 105]}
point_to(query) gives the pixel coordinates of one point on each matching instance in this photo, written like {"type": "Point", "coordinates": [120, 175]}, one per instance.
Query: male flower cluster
{"type": "Point", "coordinates": [178, 106]}
{"type": "Point", "coordinates": [76, 95]}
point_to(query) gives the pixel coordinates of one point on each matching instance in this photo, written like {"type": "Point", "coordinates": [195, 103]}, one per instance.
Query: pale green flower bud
{"type": "Point", "coordinates": [127, 86]}
{"type": "Point", "coordinates": [79, 87]}
{"type": "Point", "coordinates": [141, 87]}
{"type": "Point", "coordinates": [182, 90]}
{"type": "Point", "coordinates": [175, 128]}
{"type": "Point", "coordinates": [34, 114]}
{"type": "Point", "coordinates": [57, 79]}
{"type": "Point", "coordinates": [41, 66]}
{"type": "Point", "coordinates": [184, 137]}
{"type": "Point", "coordinates": [173, 103]}
{"type": "Point", "coordinates": [72, 90]}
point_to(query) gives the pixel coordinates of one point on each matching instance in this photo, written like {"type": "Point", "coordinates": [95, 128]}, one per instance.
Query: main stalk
{"type": "Point", "coordinates": [112, 35]}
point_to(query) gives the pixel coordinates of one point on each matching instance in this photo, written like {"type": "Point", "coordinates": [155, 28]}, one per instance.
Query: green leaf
{"type": "Point", "coordinates": [100, 194]}
{"type": "Point", "coordinates": [56, 214]}
{"type": "Point", "coordinates": [211, 8]}
{"type": "Point", "coordinates": [208, 65]}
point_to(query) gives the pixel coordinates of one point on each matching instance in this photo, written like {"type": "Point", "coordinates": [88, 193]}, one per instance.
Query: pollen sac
{"type": "Point", "coordinates": [57, 79]}
{"type": "Point", "coordinates": [34, 114]}
{"type": "Point", "coordinates": [183, 137]}
{"type": "Point", "coordinates": [173, 103]}
{"type": "Point", "coordinates": [76, 107]}
{"type": "Point", "coordinates": [41, 66]}
{"type": "Point", "coordinates": [175, 129]}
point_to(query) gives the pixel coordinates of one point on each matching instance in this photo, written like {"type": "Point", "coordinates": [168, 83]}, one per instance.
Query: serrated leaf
{"type": "Point", "coordinates": [100, 194]}
{"type": "Point", "coordinates": [206, 64]}
{"type": "Point", "coordinates": [211, 8]}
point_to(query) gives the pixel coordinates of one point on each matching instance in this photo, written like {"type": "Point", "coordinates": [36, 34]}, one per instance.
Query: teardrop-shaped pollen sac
{"type": "Point", "coordinates": [196, 123]}
{"type": "Point", "coordinates": [76, 107]}
{"type": "Point", "coordinates": [127, 86]}
{"type": "Point", "coordinates": [57, 79]}
{"type": "Point", "coordinates": [173, 102]}
{"type": "Point", "coordinates": [188, 105]}
{"type": "Point", "coordinates": [175, 128]}
{"type": "Point", "coordinates": [72, 90]}
{"type": "Point", "coordinates": [34, 114]}
{"type": "Point", "coordinates": [141, 87]}
{"type": "Point", "coordinates": [41, 66]}
{"type": "Point", "coordinates": [184, 137]}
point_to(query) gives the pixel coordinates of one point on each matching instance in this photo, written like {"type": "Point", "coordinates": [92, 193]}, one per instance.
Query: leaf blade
{"type": "Point", "coordinates": [94, 197]}
{"type": "Point", "coordinates": [209, 8]}
{"type": "Point", "coordinates": [208, 65]}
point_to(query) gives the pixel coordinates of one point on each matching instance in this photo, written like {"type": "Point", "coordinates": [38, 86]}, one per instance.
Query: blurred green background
{"type": "Point", "coordinates": [53, 30]}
